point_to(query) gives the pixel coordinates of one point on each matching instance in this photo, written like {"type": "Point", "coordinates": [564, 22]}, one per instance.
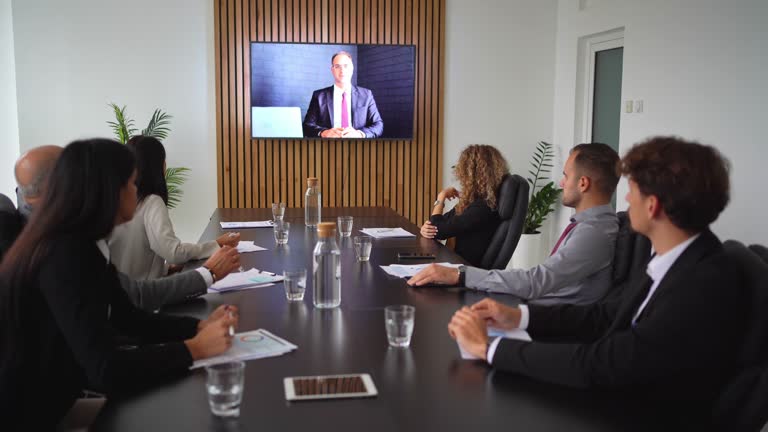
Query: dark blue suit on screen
{"type": "Point", "coordinates": [365, 114]}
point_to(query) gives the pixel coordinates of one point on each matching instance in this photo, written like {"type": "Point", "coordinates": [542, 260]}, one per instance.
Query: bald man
{"type": "Point", "coordinates": [32, 170]}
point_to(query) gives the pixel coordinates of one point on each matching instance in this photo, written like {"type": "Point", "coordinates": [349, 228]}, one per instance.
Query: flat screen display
{"type": "Point", "coordinates": [301, 90]}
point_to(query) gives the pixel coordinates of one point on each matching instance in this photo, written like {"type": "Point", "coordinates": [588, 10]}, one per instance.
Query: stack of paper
{"type": "Point", "coordinates": [250, 345]}
{"type": "Point", "coordinates": [409, 270]}
{"type": "Point", "coordinates": [252, 278]}
{"type": "Point", "coordinates": [386, 232]}
{"type": "Point", "coordinates": [247, 224]}
{"type": "Point", "coordinates": [494, 333]}
{"type": "Point", "coordinates": [247, 246]}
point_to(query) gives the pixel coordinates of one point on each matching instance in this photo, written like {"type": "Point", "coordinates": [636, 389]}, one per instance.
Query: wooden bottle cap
{"type": "Point", "coordinates": [312, 181]}
{"type": "Point", "coordinates": [326, 229]}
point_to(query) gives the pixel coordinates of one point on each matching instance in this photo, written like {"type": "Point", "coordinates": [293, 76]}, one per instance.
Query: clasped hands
{"type": "Point", "coordinates": [469, 325]}
{"type": "Point", "coordinates": [347, 132]}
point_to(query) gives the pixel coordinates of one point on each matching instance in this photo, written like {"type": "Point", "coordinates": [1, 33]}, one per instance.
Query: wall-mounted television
{"type": "Point", "coordinates": [300, 90]}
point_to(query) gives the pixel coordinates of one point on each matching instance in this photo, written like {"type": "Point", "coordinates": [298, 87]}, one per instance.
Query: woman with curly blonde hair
{"type": "Point", "coordinates": [473, 221]}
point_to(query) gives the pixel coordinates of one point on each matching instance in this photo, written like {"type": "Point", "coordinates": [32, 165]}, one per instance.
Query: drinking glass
{"type": "Point", "coordinates": [363, 247]}
{"type": "Point", "coordinates": [282, 229]}
{"type": "Point", "coordinates": [295, 283]}
{"type": "Point", "coordinates": [345, 225]}
{"type": "Point", "coordinates": [398, 320]}
{"type": "Point", "coordinates": [225, 388]}
{"type": "Point", "coordinates": [278, 211]}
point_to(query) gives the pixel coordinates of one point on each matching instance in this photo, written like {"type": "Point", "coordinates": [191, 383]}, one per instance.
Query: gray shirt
{"type": "Point", "coordinates": [578, 273]}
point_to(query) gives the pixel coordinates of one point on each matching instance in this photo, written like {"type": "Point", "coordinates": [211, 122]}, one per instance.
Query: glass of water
{"type": "Point", "coordinates": [295, 283]}
{"type": "Point", "coordinates": [278, 211]}
{"type": "Point", "coordinates": [345, 225]}
{"type": "Point", "coordinates": [282, 229]}
{"type": "Point", "coordinates": [225, 388]}
{"type": "Point", "coordinates": [398, 320]}
{"type": "Point", "coordinates": [363, 247]}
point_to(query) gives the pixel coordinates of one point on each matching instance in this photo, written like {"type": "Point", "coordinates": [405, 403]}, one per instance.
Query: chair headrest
{"type": "Point", "coordinates": [507, 196]}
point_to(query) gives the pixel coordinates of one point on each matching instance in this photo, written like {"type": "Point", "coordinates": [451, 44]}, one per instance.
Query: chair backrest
{"type": "Point", "coordinates": [743, 403]}
{"type": "Point", "coordinates": [512, 206]}
{"type": "Point", "coordinates": [630, 256]}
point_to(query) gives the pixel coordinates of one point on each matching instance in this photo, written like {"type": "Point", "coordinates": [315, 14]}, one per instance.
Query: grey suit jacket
{"type": "Point", "coordinates": [154, 293]}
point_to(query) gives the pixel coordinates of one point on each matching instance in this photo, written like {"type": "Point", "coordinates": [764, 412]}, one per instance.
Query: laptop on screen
{"type": "Point", "coordinates": [276, 122]}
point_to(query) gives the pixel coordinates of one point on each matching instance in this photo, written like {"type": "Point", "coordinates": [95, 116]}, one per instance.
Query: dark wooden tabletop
{"type": "Point", "coordinates": [425, 387]}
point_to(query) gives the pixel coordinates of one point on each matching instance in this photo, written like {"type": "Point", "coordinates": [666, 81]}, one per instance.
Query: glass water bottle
{"type": "Point", "coordinates": [326, 282]}
{"type": "Point", "coordinates": [312, 200]}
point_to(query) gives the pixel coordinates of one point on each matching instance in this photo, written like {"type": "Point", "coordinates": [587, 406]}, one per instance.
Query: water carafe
{"type": "Point", "coordinates": [312, 200]}
{"type": "Point", "coordinates": [326, 277]}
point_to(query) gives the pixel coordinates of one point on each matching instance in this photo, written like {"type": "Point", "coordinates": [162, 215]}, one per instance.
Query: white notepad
{"type": "Point", "coordinates": [386, 232]}
{"type": "Point", "coordinates": [247, 224]}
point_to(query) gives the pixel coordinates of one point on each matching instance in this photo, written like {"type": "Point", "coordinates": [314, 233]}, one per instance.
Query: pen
{"type": "Point", "coordinates": [231, 328]}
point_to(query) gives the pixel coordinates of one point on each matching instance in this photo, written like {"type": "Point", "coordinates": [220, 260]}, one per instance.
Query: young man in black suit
{"type": "Point", "coordinates": [672, 339]}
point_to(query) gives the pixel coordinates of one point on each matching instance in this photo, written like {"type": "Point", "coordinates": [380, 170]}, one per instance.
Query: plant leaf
{"type": "Point", "coordinates": [122, 127]}
{"type": "Point", "coordinates": [158, 125]}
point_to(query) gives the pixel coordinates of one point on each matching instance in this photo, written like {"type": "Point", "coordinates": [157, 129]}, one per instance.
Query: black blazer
{"type": "Point", "coordinates": [473, 229]}
{"type": "Point", "coordinates": [680, 352]}
{"type": "Point", "coordinates": [365, 113]}
{"type": "Point", "coordinates": [79, 331]}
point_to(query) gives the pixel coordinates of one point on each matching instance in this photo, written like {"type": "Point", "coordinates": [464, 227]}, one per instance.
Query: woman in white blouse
{"type": "Point", "coordinates": [144, 247]}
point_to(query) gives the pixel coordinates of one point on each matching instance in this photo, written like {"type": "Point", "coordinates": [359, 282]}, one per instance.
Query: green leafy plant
{"type": "Point", "coordinates": [544, 194]}
{"type": "Point", "coordinates": [158, 127]}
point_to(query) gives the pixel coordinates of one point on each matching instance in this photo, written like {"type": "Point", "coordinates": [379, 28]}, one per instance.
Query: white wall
{"type": "Point", "coordinates": [9, 130]}
{"type": "Point", "coordinates": [699, 66]}
{"type": "Point", "coordinates": [74, 57]}
{"type": "Point", "coordinates": [499, 74]}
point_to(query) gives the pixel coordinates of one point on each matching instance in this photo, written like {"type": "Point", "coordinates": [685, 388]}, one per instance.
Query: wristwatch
{"type": "Point", "coordinates": [434, 204]}
{"type": "Point", "coordinates": [213, 275]}
{"type": "Point", "coordinates": [462, 269]}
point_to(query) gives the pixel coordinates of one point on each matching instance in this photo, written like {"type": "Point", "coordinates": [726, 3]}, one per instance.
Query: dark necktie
{"type": "Point", "coordinates": [344, 111]}
{"type": "Point", "coordinates": [562, 236]}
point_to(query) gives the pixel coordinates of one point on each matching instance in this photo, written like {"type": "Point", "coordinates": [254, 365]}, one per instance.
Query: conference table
{"type": "Point", "coordinates": [427, 386]}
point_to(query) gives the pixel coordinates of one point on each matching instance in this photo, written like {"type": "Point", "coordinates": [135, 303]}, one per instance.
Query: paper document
{"type": "Point", "coordinates": [252, 278]}
{"type": "Point", "coordinates": [493, 333]}
{"type": "Point", "coordinates": [247, 224]}
{"type": "Point", "coordinates": [408, 270]}
{"type": "Point", "coordinates": [247, 246]}
{"type": "Point", "coordinates": [386, 232]}
{"type": "Point", "coordinates": [250, 345]}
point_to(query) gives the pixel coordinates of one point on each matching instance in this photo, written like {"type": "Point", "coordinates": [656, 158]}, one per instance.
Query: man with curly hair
{"type": "Point", "coordinates": [578, 271]}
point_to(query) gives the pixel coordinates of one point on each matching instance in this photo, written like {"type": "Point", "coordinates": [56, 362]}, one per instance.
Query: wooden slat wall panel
{"type": "Point", "coordinates": [404, 175]}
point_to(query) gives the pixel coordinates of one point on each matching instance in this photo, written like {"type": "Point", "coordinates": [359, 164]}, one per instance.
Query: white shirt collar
{"type": "Point", "coordinates": [660, 264]}
{"type": "Point", "coordinates": [337, 89]}
{"type": "Point", "coordinates": [102, 245]}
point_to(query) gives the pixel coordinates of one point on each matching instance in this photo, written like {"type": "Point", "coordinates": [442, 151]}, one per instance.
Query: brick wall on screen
{"type": "Point", "coordinates": [388, 72]}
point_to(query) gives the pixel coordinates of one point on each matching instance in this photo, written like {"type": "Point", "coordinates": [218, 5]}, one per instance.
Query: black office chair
{"type": "Point", "coordinates": [743, 403]}
{"type": "Point", "coordinates": [630, 257]}
{"type": "Point", "coordinates": [512, 206]}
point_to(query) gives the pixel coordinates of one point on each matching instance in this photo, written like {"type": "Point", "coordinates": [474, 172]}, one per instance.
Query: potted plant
{"type": "Point", "coordinates": [158, 127]}
{"type": "Point", "coordinates": [545, 194]}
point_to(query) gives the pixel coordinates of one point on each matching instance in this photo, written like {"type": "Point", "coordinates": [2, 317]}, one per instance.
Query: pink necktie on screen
{"type": "Point", "coordinates": [562, 236]}
{"type": "Point", "coordinates": [344, 111]}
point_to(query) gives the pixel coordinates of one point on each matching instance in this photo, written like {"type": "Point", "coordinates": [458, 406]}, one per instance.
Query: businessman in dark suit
{"type": "Point", "coordinates": [343, 110]}
{"type": "Point", "coordinates": [672, 339]}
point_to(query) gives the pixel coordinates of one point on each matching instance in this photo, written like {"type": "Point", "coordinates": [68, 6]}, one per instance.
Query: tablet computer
{"type": "Point", "coordinates": [329, 387]}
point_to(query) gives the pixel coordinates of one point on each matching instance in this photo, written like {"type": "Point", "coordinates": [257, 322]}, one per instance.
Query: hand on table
{"type": "Point", "coordinates": [214, 335]}
{"type": "Point", "coordinates": [437, 274]}
{"type": "Point", "coordinates": [229, 239]}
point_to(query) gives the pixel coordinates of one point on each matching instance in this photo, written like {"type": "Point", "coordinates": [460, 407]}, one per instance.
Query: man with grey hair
{"type": "Point", "coordinates": [32, 171]}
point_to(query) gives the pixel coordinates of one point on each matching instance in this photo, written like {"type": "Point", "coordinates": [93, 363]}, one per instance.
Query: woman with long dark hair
{"type": "Point", "coordinates": [67, 324]}
{"type": "Point", "coordinates": [144, 247]}
{"type": "Point", "coordinates": [473, 221]}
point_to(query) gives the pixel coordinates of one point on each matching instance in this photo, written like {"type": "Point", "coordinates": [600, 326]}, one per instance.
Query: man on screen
{"type": "Point", "coordinates": [343, 110]}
